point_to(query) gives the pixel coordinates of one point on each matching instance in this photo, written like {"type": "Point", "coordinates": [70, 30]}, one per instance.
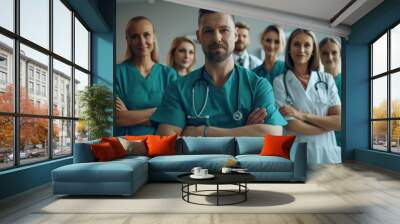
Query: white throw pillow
{"type": "Point", "coordinates": [135, 147]}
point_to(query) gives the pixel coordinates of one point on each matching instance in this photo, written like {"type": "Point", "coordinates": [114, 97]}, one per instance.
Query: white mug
{"type": "Point", "coordinates": [203, 172]}
{"type": "Point", "coordinates": [196, 170]}
{"type": "Point", "coordinates": [226, 170]}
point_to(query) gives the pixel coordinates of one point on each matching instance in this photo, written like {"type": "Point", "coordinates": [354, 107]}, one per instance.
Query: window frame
{"type": "Point", "coordinates": [388, 74]}
{"type": "Point", "coordinates": [16, 114]}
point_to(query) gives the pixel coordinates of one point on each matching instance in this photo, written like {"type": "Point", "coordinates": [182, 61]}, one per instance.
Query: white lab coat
{"type": "Point", "coordinates": [321, 148]}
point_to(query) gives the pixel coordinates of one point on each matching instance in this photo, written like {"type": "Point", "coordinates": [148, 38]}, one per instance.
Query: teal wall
{"type": "Point", "coordinates": [356, 64]}
{"type": "Point", "coordinates": [99, 15]}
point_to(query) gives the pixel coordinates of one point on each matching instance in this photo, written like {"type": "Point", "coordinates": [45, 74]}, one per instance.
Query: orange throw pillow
{"type": "Point", "coordinates": [277, 146]}
{"type": "Point", "coordinates": [103, 151]}
{"type": "Point", "coordinates": [161, 145]}
{"type": "Point", "coordinates": [116, 145]}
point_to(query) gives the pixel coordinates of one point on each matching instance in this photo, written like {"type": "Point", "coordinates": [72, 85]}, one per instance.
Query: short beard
{"type": "Point", "coordinates": [213, 57]}
{"type": "Point", "coordinates": [238, 47]}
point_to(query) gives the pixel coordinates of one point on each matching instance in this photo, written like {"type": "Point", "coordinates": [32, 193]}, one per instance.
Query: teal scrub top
{"type": "Point", "coordinates": [221, 102]}
{"type": "Point", "coordinates": [277, 69]}
{"type": "Point", "coordinates": [338, 81]}
{"type": "Point", "coordinates": [140, 93]}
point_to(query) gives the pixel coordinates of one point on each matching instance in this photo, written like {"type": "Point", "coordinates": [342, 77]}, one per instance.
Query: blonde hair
{"type": "Point", "coordinates": [128, 52]}
{"type": "Point", "coordinates": [313, 63]}
{"type": "Point", "coordinates": [277, 29]}
{"type": "Point", "coordinates": [174, 45]}
{"type": "Point", "coordinates": [329, 40]}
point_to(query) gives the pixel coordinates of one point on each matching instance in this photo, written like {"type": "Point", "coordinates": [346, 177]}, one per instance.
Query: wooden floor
{"type": "Point", "coordinates": [378, 188]}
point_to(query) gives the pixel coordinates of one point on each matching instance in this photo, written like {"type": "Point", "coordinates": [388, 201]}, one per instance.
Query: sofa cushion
{"type": "Point", "coordinates": [208, 145]}
{"type": "Point", "coordinates": [277, 145]}
{"type": "Point", "coordinates": [257, 163]}
{"type": "Point", "coordinates": [249, 145]}
{"type": "Point", "coordinates": [83, 152]}
{"type": "Point", "coordinates": [134, 147]}
{"type": "Point", "coordinates": [185, 163]}
{"type": "Point", "coordinates": [111, 171]}
{"type": "Point", "coordinates": [103, 152]}
{"type": "Point", "coordinates": [117, 146]}
{"type": "Point", "coordinates": [161, 145]}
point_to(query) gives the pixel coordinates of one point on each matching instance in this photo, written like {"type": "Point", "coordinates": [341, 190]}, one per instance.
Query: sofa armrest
{"type": "Point", "coordinates": [83, 152]}
{"type": "Point", "coordinates": [298, 155]}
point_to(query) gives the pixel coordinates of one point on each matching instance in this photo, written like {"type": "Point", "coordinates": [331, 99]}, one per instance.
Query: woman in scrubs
{"type": "Point", "coordinates": [309, 99]}
{"type": "Point", "coordinates": [331, 59]}
{"type": "Point", "coordinates": [181, 55]}
{"type": "Point", "coordinates": [140, 80]}
{"type": "Point", "coordinates": [273, 42]}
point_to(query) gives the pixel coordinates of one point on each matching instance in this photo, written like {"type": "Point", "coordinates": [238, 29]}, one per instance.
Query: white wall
{"type": "Point", "coordinates": [172, 20]}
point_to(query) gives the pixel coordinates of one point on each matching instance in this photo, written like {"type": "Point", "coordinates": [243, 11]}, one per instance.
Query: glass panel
{"type": "Point", "coordinates": [81, 81]}
{"type": "Point", "coordinates": [379, 135]}
{"type": "Point", "coordinates": [62, 29]}
{"type": "Point", "coordinates": [62, 89]}
{"type": "Point", "coordinates": [33, 140]}
{"type": "Point", "coordinates": [395, 136]}
{"type": "Point", "coordinates": [81, 131]}
{"type": "Point", "coordinates": [7, 14]}
{"type": "Point", "coordinates": [81, 45]}
{"type": "Point", "coordinates": [35, 21]}
{"type": "Point", "coordinates": [34, 97]}
{"type": "Point", "coordinates": [379, 55]}
{"type": "Point", "coordinates": [62, 141]}
{"type": "Point", "coordinates": [395, 47]}
{"type": "Point", "coordinates": [395, 94]}
{"type": "Point", "coordinates": [6, 142]}
{"type": "Point", "coordinates": [6, 74]}
{"type": "Point", "coordinates": [379, 98]}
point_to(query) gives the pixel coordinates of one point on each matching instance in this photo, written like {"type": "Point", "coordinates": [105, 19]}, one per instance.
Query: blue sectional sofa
{"type": "Point", "coordinates": [125, 176]}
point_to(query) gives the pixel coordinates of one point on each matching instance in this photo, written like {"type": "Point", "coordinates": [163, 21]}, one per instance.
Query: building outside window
{"type": "Point", "coordinates": [385, 94]}
{"type": "Point", "coordinates": [59, 133]}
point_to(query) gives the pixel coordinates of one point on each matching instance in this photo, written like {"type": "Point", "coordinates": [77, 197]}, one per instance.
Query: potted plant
{"type": "Point", "coordinates": [96, 103]}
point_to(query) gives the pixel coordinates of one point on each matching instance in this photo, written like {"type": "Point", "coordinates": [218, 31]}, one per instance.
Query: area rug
{"type": "Point", "coordinates": [167, 198]}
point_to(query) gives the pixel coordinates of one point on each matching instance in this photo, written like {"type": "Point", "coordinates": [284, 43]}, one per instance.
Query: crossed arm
{"type": "Point", "coordinates": [254, 127]}
{"type": "Point", "coordinates": [311, 124]}
{"type": "Point", "coordinates": [127, 117]}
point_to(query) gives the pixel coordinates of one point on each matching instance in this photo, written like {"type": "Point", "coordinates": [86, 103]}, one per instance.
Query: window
{"type": "Point", "coordinates": [37, 75]}
{"type": "Point", "coordinates": [3, 78]}
{"type": "Point", "coordinates": [38, 89]}
{"type": "Point", "coordinates": [3, 61]}
{"type": "Point", "coordinates": [41, 84]}
{"type": "Point", "coordinates": [30, 72]}
{"type": "Point", "coordinates": [30, 87]}
{"type": "Point", "coordinates": [44, 91]}
{"type": "Point", "coordinates": [43, 77]}
{"type": "Point", "coordinates": [385, 94]}
{"type": "Point", "coordinates": [3, 72]}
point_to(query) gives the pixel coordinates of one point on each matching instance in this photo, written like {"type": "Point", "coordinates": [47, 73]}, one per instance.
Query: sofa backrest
{"type": "Point", "coordinates": [207, 145]}
{"type": "Point", "coordinates": [249, 145]}
{"type": "Point", "coordinates": [83, 152]}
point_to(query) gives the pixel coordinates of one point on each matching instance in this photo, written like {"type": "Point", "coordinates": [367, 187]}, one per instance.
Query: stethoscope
{"type": "Point", "coordinates": [289, 99]}
{"type": "Point", "coordinates": [237, 115]}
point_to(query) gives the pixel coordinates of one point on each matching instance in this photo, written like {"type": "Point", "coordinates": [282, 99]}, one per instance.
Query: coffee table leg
{"type": "Point", "coordinates": [217, 194]}
{"type": "Point", "coordinates": [245, 191]}
{"type": "Point", "coordinates": [196, 188]}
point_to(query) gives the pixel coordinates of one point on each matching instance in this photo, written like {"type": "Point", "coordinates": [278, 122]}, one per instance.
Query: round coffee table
{"type": "Point", "coordinates": [238, 179]}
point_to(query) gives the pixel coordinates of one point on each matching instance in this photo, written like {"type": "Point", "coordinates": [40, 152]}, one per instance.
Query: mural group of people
{"type": "Point", "coordinates": [233, 93]}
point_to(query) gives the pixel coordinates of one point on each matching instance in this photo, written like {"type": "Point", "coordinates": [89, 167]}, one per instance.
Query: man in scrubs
{"type": "Point", "coordinates": [206, 101]}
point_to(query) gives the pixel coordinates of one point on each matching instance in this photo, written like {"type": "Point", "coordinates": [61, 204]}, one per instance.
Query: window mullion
{"type": "Point", "coordinates": [389, 106]}
{"type": "Point", "coordinates": [50, 80]}
{"type": "Point", "coordinates": [73, 82]}
{"type": "Point", "coordinates": [16, 83]}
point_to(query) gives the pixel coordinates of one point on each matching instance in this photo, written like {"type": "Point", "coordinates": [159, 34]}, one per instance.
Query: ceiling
{"type": "Point", "coordinates": [328, 16]}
